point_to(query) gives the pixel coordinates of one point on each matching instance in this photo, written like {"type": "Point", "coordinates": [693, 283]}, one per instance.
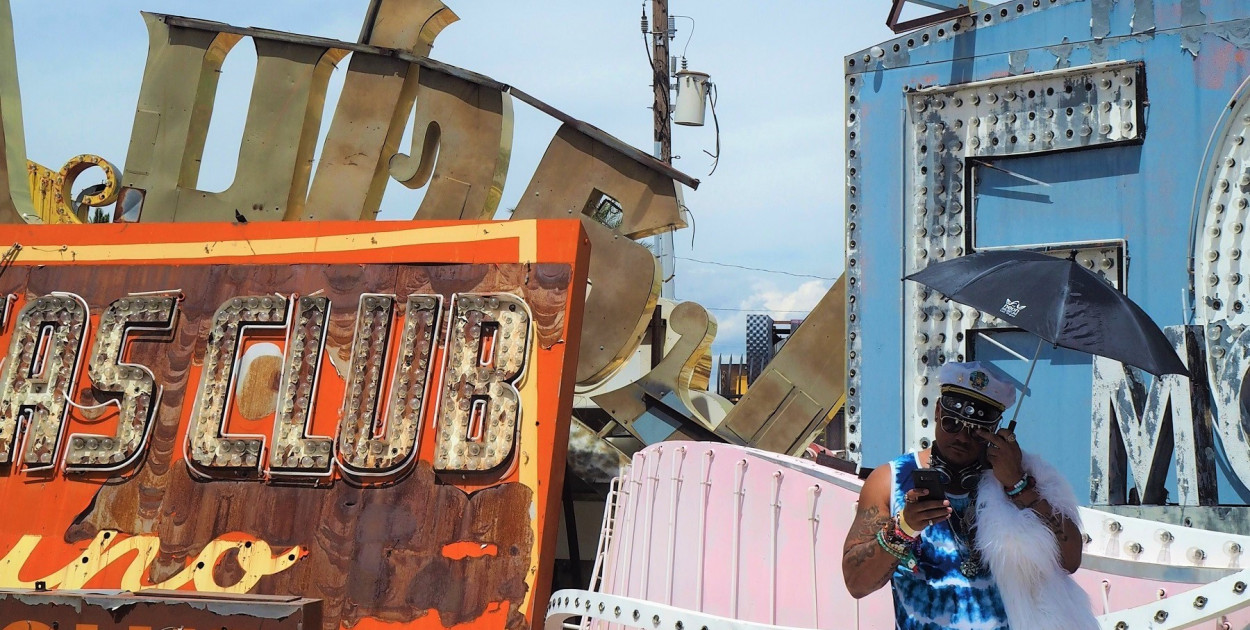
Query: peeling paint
{"type": "Point", "coordinates": [1062, 53]}
{"type": "Point", "coordinates": [1192, 15]}
{"type": "Point", "coordinates": [1100, 18]}
{"type": "Point", "coordinates": [1143, 17]}
{"type": "Point", "coordinates": [1018, 60]}
{"type": "Point", "coordinates": [1235, 34]}
{"type": "Point", "coordinates": [1099, 52]}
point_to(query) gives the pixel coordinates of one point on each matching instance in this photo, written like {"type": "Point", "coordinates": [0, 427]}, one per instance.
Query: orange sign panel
{"type": "Point", "coordinates": [374, 415]}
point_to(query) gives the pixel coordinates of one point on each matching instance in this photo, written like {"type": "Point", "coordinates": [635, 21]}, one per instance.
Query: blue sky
{"type": "Point", "coordinates": [774, 202]}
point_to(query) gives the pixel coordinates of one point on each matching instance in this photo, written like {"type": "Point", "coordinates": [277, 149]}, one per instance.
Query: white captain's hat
{"type": "Point", "coordinates": [978, 382]}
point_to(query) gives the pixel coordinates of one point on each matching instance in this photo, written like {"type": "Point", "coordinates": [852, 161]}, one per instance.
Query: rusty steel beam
{"type": "Point", "coordinates": [44, 610]}
{"type": "Point", "coordinates": [425, 62]}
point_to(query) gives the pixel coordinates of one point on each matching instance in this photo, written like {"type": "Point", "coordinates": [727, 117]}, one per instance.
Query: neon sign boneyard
{"type": "Point", "coordinates": [387, 384]}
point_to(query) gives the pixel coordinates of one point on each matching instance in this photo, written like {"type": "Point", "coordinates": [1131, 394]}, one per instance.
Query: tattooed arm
{"type": "Point", "coordinates": [867, 567]}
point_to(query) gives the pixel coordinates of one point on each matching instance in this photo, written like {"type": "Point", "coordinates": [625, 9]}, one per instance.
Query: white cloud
{"type": "Point", "coordinates": [786, 304]}
{"type": "Point", "coordinates": [780, 300]}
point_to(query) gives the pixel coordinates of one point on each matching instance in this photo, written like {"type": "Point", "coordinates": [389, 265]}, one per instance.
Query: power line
{"type": "Point", "coordinates": [759, 269]}
{"type": "Point", "coordinates": [755, 310]}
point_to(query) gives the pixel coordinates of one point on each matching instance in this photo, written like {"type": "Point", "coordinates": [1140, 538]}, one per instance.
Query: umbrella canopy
{"type": "Point", "coordinates": [1057, 300]}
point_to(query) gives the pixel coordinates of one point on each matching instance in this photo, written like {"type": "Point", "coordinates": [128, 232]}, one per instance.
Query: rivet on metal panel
{"type": "Point", "coordinates": [1239, 588]}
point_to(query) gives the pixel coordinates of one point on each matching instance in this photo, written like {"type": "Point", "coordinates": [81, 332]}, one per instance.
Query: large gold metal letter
{"type": "Point", "coordinates": [176, 104]}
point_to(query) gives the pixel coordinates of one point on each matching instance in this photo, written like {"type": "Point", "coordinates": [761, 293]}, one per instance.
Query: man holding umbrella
{"type": "Point", "coordinates": [997, 550]}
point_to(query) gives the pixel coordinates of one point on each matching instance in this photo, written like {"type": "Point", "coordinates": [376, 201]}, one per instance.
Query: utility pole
{"type": "Point", "coordinates": [660, 81]}
{"type": "Point", "coordinates": [663, 135]}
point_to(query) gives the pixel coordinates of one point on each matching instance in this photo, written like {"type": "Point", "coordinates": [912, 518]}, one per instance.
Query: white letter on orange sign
{"type": "Point", "coordinates": [39, 375]}
{"type": "Point", "coordinates": [362, 451]}
{"type": "Point", "coordinates": [487, 348]}
{"type": "Point", "coordinates": [133, 385]}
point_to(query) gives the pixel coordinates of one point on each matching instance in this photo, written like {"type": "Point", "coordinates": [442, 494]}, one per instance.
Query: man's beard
{"type": "Point", "coordinates": [965, 476]}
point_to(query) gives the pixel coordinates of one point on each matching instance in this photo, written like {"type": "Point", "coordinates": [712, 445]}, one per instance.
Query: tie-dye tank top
{"type": "Point", "coordinates": [938, 596]}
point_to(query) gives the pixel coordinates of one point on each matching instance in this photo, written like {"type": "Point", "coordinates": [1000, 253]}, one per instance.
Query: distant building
{"type": "Point", "coordinates": [765, 337]}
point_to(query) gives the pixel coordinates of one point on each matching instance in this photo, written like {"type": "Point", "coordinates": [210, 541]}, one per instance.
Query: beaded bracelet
{"type": "Point", "coordinates": [903, 536]}
{"type": "Point", "coordinates": [1020, 486]}
{"type": "Point", "coordinates": [908, 531]}
{"type": "Point", "coordinates": [902, 554]}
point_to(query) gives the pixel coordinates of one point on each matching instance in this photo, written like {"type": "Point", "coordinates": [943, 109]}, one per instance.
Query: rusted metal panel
{"type": "Point", "coordinates": [167, 480]}
{"type": "Point", "coordinates": [45, 610]}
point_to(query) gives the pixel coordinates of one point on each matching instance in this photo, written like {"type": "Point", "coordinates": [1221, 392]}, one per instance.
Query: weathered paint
{"type": "Point", "coordinates": [36, 610]}
{"type": "Point", "coordinates": [1135, 185]}
{"type": "Point", "coordinates": [424, 542]}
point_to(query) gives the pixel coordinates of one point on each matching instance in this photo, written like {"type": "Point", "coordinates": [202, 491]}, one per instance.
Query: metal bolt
{"type": "Point", "coordinates": [1161, 616]}
{"type": "Point", "coordinates": [1200, 602]}
{"type": "Point", "coordinates": [1121, 625]}
{"type": "Point", "coordinates": [1239, 588]}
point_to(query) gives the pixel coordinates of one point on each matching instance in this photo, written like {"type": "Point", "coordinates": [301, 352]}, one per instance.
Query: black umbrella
{"type": "Point", "coordinates": [1058, 300]}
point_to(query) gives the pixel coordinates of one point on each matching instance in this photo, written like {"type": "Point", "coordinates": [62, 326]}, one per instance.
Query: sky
{"type": "Point", "coordinates": [774, 202]}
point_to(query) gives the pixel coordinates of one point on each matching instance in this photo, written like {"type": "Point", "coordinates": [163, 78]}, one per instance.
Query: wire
{"type": "Point", "coordinates": [694, 227]}
{"type": "Point", "coordinates": [754, 310]}
{"type": "Point", "coordinates": [759, 269]}
{"type": "Point", "coordinates": [688, 37]}
{"type": "Point", "coordinates": [716, 123]}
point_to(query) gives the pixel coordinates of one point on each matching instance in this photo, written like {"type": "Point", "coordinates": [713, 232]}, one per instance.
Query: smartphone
{"type": "Point", "coordinates": [930, 480]}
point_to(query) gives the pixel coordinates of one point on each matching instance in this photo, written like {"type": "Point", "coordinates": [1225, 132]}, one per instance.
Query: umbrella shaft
{"type": "Point", "coordinates": [1011, 426]}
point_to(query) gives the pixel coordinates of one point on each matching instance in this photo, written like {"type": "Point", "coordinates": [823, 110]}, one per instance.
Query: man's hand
{"type": "Point", "coordinates": [1004, 456]}
{"type": "Point", "coordinates": [921, 513]}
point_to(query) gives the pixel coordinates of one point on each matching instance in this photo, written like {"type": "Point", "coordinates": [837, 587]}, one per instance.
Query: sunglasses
{"type": "Point", "coordinates": [954, 424]}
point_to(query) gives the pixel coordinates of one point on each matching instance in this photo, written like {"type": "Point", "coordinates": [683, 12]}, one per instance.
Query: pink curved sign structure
{"type": "Point", "coordinates": [709, 535]}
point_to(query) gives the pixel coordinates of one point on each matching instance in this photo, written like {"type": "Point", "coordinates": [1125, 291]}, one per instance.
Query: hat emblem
{"type": "Point", "coordinates": [979, 379]}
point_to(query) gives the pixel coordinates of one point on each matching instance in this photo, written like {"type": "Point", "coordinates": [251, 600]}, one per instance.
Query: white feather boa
{"type": "Point", "coordinates": [1023, 555]}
